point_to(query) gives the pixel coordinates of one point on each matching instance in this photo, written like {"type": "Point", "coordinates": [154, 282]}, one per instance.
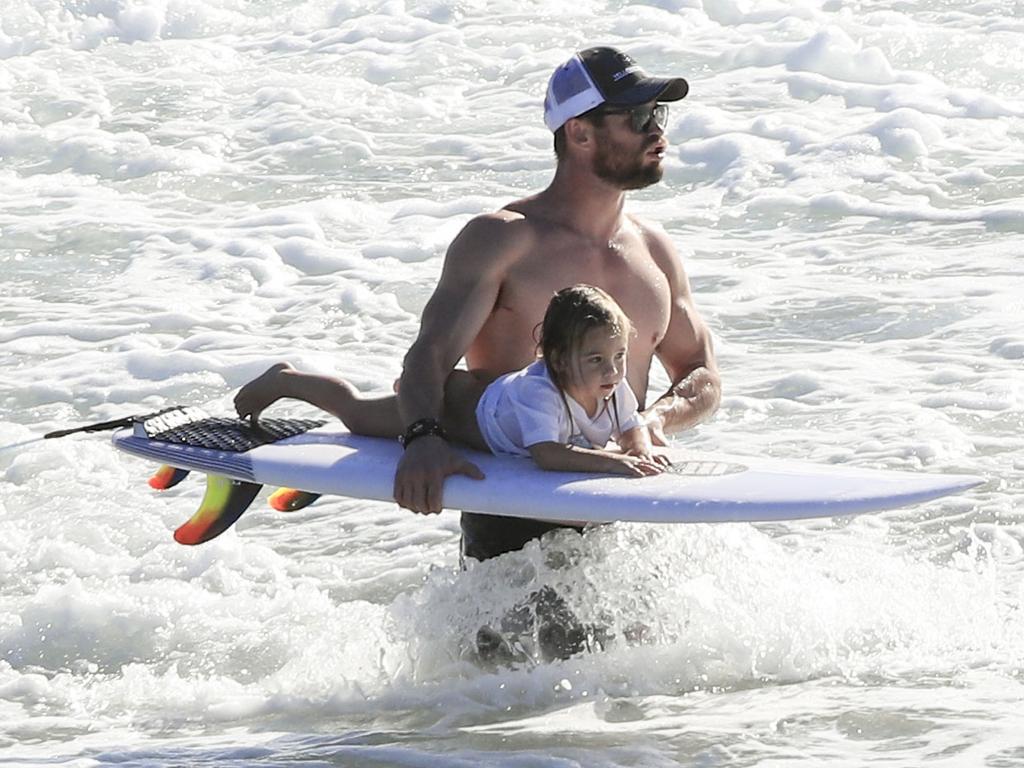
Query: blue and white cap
{"type": "Point", "coordinates": [603, 76]}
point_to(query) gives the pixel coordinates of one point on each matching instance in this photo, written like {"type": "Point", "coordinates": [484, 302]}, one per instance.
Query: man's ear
{"type": "Point", "coordinates": [579, 132]}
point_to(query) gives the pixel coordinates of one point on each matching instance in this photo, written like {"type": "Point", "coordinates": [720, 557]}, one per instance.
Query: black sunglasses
{"type": "Point", "coordinates": [641, 118]}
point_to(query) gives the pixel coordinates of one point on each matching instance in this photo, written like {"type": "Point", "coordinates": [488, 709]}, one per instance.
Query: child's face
{"type": "Point", "coordinates": [598, 366]}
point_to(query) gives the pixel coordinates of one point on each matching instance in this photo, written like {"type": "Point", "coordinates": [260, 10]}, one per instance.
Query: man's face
{"type": "Point", "coordinates": [625, 157]}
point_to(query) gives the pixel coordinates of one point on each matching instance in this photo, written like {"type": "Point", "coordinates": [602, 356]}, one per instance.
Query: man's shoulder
{"type": "Point", "coordinates": [503, 235]}
{"type": "Point", "coordinates": [651, 232]}
{"type": "Point", "coordinates": [659, 244]}
{"type": "Point", "coordinates": [501, 231]}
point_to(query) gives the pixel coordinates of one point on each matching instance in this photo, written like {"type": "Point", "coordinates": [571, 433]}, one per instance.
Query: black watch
{"type": "Point", "coordinates": [422, 428]}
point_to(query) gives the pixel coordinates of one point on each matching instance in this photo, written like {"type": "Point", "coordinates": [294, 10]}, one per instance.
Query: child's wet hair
{"type": "Point", "coordinates": [571, 313]}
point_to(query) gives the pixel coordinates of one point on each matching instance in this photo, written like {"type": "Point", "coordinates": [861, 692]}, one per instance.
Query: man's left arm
{"type": "Point", "coordinates": [686, 352]}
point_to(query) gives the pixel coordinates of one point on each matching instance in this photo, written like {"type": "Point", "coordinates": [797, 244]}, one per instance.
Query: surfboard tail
{"type": "Point", "coordinates": [292, 499]}
{"type": "Point", "coordinates": [223, 503]}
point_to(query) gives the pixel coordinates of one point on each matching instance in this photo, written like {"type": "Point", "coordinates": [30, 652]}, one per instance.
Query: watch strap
{"type": "Point", "coordinates": [422, 428]}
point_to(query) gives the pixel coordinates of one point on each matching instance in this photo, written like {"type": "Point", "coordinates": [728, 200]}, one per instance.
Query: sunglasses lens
{"type": "Point", "coordinates": [642, 117]}
{"type": "Point", "coordinates": [661, 115]}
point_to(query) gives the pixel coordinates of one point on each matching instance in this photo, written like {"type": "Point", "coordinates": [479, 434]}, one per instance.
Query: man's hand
{"type": "Point", "coordinates": [419, 479]}
{"type": "Point", "coordinates": [655, 427]}
{"type": "Point", "coordinates": [685, 405]}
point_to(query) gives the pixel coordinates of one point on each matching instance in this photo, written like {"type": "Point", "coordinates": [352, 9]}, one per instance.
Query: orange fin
{"type": "Point", "coordinates": [167, 477]}
{"type": "Point", "coordinates": [224, 502]}
{"type": "Point", "coordinates": [292, 499]}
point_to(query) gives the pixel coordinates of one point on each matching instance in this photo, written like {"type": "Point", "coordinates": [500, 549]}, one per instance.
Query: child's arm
{"type": "Point", "coordinates": [572, 458]}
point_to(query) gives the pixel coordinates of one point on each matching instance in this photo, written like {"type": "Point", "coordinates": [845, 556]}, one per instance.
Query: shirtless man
{"type": "Point", "coordinates": [608, 117]}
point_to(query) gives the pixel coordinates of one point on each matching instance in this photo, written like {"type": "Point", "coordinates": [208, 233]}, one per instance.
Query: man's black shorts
{"type": "Point", "coordinates": [487, 536]}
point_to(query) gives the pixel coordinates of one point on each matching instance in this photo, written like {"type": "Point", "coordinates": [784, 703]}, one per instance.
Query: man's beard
{"type": "Point", "coordinates": [612, 164]}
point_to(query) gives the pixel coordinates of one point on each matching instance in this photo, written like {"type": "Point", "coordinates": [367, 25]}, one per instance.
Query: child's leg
{"type": "Point", "coordinates": [462, 392]}
{"type": "Point", "coordinates": [371, 416]}
{"type": "Point", "coordinates": [376, 417]}
{"type": "Point", "coordinates": [379, 416]}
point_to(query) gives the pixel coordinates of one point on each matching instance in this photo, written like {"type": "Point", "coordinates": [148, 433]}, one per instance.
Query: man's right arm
{"type": "Point", "coordinates": [474, 269]}
{"type": "Point", "coordinates": [686, 351]}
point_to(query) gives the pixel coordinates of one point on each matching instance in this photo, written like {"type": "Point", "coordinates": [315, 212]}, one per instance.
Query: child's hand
{"type": "Point", "coordinates": [646, 453]}
{"type": "Point", "coordinates": [571, 458]}
{"type": "Point", "coordinates": [637, 466]}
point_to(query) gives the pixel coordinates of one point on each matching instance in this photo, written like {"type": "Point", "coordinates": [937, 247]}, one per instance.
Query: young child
{"type": "Point", "coordinates": [560, 410]}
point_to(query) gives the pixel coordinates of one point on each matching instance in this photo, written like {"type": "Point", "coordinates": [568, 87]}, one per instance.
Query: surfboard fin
{"type": "Point", "coordinates": [224, 502]}
{"type": "Point", "coordinates": [292, 499]}
{"type": "Point", "coordinates": [167, 477]}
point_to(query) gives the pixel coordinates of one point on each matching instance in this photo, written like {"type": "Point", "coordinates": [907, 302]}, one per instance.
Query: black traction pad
{"type": "Point", "coordinates": [191, 426]}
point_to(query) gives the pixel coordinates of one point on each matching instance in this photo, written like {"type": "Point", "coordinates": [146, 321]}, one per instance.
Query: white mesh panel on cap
{"type": "Point", "coordinates": [571, 92]}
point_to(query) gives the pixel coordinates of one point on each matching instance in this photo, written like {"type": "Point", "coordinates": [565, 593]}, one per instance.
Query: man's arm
{"type": "Point", "coordinates": [473, 272]}
{"type": "Point", "coordinates": [686, 351]}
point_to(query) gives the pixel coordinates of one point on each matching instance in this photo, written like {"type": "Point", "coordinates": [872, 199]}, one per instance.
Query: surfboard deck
{"type": "Point", "coordinates": [699, 488]}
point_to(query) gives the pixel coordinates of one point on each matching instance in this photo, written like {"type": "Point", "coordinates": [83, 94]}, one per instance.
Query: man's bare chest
{"type": "Point", "coordinates": [630, 276]}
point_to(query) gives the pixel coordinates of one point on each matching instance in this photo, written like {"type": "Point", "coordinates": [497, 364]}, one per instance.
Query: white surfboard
{"type": "Point", "coordinates": [697, 488]}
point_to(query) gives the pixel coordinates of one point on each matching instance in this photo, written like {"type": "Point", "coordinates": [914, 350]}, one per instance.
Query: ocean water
{"type": "Point", "coordinates": [193, 189]}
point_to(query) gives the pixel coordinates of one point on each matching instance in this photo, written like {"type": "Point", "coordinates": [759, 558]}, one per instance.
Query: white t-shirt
{"type": "Point", "coordinates": [525, 407]}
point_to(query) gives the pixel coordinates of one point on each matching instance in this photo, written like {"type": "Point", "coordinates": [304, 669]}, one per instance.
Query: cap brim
{"type": "Point", "coordinates": [653, 89]}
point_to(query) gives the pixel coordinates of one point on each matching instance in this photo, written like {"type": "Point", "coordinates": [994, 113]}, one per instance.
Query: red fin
{"type": "Point", "coordinates": [167, 477]}
{"type": "Point", "coordinates": [224, 502]}
{"type": "Point", "coordinates": [292, 499]}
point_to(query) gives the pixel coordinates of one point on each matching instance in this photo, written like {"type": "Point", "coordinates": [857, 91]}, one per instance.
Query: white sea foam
{"type": "Point", "coordinates": [191, 190]}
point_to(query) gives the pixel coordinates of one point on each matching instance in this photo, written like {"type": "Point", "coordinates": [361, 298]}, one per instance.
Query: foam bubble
{"type": "Point", "coordinates": [906, 133]}
{"type": "Point", "coordinates": [831, 52]}
{"type": "Point", "coordinates": [1010, 347]}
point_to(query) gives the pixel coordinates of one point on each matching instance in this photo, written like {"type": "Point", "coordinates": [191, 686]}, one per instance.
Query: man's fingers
{"type": "Point", "coordinates": [419, 480]}
{"type": "Point", "coordinates": [399, 493]}
{"type": "Point", "coordinates": [419, 496]}
{"type": "Point", "coordinates": [433, 497]}
{"type": "Point", "coordinates": [404, 490]}
{"type": "Point", "coordinates": [657, 434]}
{"type": "Point", "coordinates": [414, 498]}
{"type": "Point", "coordinates": [469, 469]}
{"type": "Point", "coordinates": [434, 501]}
